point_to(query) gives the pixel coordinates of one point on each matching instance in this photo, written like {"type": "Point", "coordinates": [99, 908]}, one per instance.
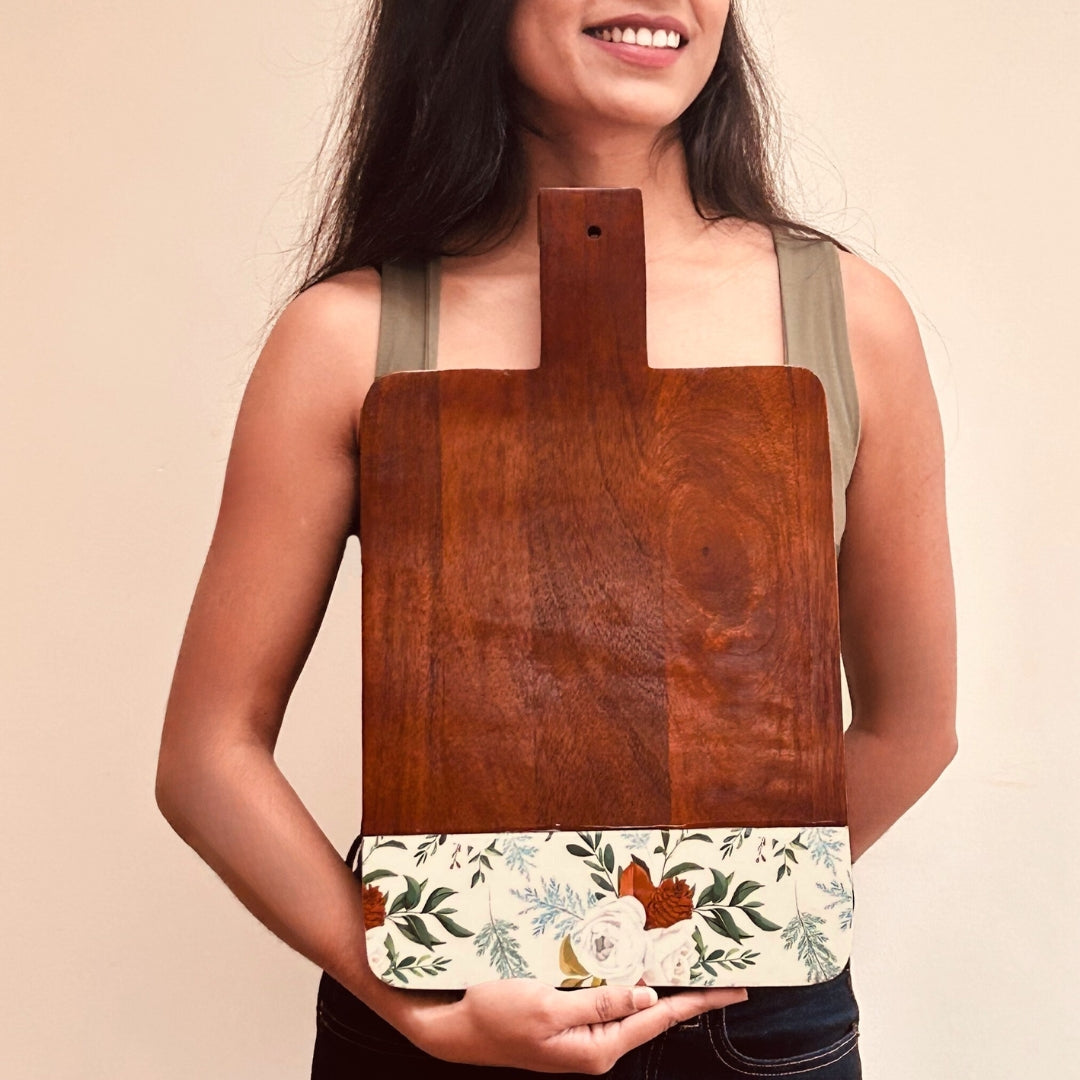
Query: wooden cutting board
{"type": "Point", "coordinates": [598, 594]}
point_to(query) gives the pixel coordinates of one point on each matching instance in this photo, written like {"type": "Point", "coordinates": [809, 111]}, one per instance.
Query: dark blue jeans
{"type": "Point", "coordinates": [779, 1031]}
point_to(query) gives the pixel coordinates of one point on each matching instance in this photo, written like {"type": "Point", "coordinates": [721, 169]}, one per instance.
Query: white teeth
{"type": "Point", "coordinates": [657, 39]}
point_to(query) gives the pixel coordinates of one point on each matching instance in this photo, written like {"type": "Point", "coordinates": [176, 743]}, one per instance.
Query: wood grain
{"type": "Point", "coordinates": [598, 594]}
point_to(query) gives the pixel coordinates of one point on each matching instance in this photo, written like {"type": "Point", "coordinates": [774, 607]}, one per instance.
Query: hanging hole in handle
{"type": "Point", "coordinates": [594, 231]}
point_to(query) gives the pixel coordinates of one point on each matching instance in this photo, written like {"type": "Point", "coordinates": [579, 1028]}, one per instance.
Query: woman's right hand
{"type": "Point", "coordinates": [525, 1024]}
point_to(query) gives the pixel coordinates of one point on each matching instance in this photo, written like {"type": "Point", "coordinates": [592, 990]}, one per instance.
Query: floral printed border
{"type": "Point", "coordinates": [734, 906]}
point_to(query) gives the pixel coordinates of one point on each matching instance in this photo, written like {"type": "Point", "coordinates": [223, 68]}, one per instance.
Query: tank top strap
{"type": "Point", "coordinates": [815, 337]}
{"type": "Point", "coordinates": [408, 316]}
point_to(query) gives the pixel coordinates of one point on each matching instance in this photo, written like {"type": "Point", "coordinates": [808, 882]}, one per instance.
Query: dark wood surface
{"type": "Point", "coordinates": [597, 594]}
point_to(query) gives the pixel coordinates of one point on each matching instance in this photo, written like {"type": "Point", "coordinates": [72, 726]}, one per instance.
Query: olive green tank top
{"type": "Point", "coordinates": [814, 325]}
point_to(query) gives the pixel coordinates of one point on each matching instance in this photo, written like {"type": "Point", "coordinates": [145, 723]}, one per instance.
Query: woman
{"type": "Point", "coordinates": [462, 110]}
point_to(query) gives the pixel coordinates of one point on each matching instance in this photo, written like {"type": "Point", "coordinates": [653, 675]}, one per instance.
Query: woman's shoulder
{"type": "Point", "coordinates": [878, 313]}
{"type": "Point", "coordinates": [328, 335]}
{"type": "Point", "coordinates": [888, 359]}
{"type": "Point", "coordinates": [874, 303]}
{"type": "Point", "coordinates": [342, 310]}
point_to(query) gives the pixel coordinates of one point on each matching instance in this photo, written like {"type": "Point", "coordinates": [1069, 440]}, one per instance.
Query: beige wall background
{"type": "Point", "coordinates": [154, 171]}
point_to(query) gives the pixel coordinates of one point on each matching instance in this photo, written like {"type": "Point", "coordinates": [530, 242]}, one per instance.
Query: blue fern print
{"type": "Point", "coordinates": [826, 847]}
{"type": "Point", "coordinates": [842, 898]}
{"type": "Point", "coordinates": [496, 942]}
{"type": "Point", "coordinates": [806, 934]}
{"type": "Point", "coordinates": [635, 839]}
{"type": "Point", "coordinates": [553, 906]}
{"type": "Point", "coordinates": [519, 855]}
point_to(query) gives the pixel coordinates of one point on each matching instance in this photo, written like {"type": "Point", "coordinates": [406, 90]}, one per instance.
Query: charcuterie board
{"type": "Point", "coordinates": [600, 645]}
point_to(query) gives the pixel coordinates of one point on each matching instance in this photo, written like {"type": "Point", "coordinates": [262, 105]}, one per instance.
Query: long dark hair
{"type": "Point", "coordinates": [426, 155]}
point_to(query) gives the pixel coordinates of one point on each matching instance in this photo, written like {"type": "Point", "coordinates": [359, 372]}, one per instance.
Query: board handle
{"type": "Point", "coordinates": [592, 282]}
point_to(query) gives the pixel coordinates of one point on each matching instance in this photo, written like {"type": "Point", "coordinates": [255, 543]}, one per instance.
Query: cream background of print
{"type": "Point", "coordinates": [154, 170]}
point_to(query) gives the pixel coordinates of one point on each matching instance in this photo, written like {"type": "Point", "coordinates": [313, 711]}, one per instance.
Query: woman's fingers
{"type": "Point", "coordinates": [525, 1024]}
{"type": "Point", "coordinates": [646, 1024]}
{"type": "Point", "coordinates": [621, 1002]}
{"type": "Point", "coordinates": [604, 1003]}
{"type": "Point", "coordinates": [611, 1021]}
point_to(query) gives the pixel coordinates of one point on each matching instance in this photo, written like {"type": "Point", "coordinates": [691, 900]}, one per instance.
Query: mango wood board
{"type": "Point", "coordinates": [597, 593]}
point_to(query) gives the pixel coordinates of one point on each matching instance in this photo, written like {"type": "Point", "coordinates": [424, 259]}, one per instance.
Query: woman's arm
{"type": "Point", "coordinates": [897, 604]}
{"type": "Point", "coordinates": [287, 509]}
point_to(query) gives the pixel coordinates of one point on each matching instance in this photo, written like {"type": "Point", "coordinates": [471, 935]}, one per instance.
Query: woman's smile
{"type": "Point", "coordinates": [581, 63]}
{"type": "Point", "coordinates": [641, 46]}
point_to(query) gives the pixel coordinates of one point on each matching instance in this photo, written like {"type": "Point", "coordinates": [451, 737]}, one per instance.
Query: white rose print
{"type": "Point", "coordinates": [671, 954]}
{"type": "Point", "coordinates": [611, 941]}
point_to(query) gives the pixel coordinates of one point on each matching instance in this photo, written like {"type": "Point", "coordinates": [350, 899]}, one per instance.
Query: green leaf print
{"type": "Point", "coordinates": [682, 868]}
{"type": "Point", "coordinates": [450, 926]}
{"type": "Point", "coordinates": [376, 875]}
{"type": "Point", "coordinates": [437, 897]}
{"type": "Point", "coordinates": [413, 928]}
{"type": "Point", "coordinates": [758, 919]}
{"type": "Point", "coordinates": [743, 891]}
